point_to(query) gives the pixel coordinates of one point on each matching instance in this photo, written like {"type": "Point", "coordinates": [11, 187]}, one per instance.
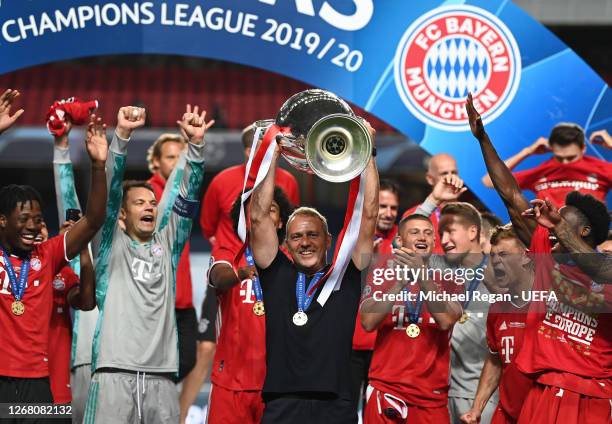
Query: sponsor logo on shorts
{"type": "Point", "coordinates": [449, 52]}
{"type": "Point", "coordinates": [203, 325]}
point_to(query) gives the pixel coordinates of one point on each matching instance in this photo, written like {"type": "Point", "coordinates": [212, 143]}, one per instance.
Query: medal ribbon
{"type": "Point", "coordinates": [17, 286]}
{"type": "Point", "coordinates": [256, 285]}
{"type": "Point", "coordinates": [304, 297]}
{"type": "Point", "coordinates": [473, 283]}
{"type": "Point", "coordinates": [414, 313]}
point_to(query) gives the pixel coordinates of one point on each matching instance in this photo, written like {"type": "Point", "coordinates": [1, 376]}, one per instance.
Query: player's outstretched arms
{"type": "Point", "coordinates": [502, 178]}
{"type": "Point", "coordinates": [85, 229]}
{"type": "Point", "coordinates": [6, 102]}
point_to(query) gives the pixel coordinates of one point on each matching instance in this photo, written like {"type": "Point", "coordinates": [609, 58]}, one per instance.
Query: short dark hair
{"type": "Point", "coordinates": [389, 185]}
{"type": "Point", "coordinates": [130, 184]}
{"type": "Point", "coordinates": [504, 232]}
{"type": "Point", "coordinates": [13, 194]}
{"type": "Point", "coordinates": [566, 133]}
{"type": "Point", "coordinates": [247, 136]}
{"type": "Point", "coordinates": [594, 212]}
{"type": "Point", "coordinates": [285, 206]}
{"type": "Point", "coordinates": [412, 217]}
{"type": "Point", "coordinates": [490, 222]}
{"type": "Point", "coordinates": [466, 213]}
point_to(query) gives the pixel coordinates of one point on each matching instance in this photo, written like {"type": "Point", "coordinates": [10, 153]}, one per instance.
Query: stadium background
{"type": "Point", "coordinates": [236, 96]}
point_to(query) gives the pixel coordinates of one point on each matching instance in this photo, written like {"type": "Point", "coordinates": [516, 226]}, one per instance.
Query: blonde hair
{"type": "Point", "coordinates": [154, 150]}
{"type": "Point", "coordinates": [307, 211]}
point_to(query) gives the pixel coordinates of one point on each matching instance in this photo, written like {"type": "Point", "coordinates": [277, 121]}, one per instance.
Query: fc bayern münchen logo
{"type": "Point", "coordinates": [449, 52]}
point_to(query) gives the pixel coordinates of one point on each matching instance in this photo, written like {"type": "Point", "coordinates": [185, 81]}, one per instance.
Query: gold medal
{"type": "Point", "coordinates": [18, 307]}
{"type": "Point", "coordinates": [464, 318]}
{"type": "Point", "coordinates": [258, 308]}
{"type": "Point", "coordinates": [413, 331]}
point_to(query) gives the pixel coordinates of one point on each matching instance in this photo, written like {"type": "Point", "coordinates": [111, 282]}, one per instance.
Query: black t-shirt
{"type": "Point", "coordinates": [314, 358]}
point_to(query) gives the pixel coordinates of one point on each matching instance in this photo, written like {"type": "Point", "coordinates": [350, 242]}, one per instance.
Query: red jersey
{"type": "Point", "coordinates": [565, 343]}
{"type": "Point", "coordinates": [505, 330]}
{"type": "Point", "coordinates": [184, 291]}
{"type": "Point", "coordinates": [60, 336]}
{"type": "Point", "coordinates": [217, 204]}
{"type": "Point", "coordinates": [240, 357]}
{"type": "Point", "coordinates": [435, 219]}
{"type": "Point", "coordinates": [414, 369]}
{"type": "Point", "coordinates": [554, 180]}
{"type": "Point", "coordinates": [24, 339]}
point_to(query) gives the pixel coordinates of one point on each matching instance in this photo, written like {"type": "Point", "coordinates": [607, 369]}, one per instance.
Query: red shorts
{"type": "Point", "coordinates": [383, 408]}
{"type": "Point", "coordinates": [500, 417]}
{"type": "Point", "coordinates": [229, 406]}
{"type": "Point", "coordinates": [550, 405]}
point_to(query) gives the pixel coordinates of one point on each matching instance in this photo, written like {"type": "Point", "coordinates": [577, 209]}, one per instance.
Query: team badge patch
{"type": "Point", "coordinates": [58, 283]}
{"type": "Point", "coordinates": [449, 52]}
{"type": "Point", "coordinates": [35, 264]}
{"type": "Point", "coordinates": [157, 250]}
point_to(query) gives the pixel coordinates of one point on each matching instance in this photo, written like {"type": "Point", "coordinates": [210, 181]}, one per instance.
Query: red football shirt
{"type": "Point", "coordinates": [414, 369]}
{"type": "Point", "coordinates": [505, 330]}
{"type": "Point", "coordinates": [240, 357]}
{"type": "Point", "coordinates": [565, 344]}
{"type": "Point", "coordinates": [184, 291]}
{"type": "Point", "coordinates": [223, 190]}
{"type": "Point", "coordinates": [24, 339]}
{"type": "Point", "coordinates": [60, 336]}
{"type": "Point", "coordinates": [554, 180]}
{"type": "Point", "coordinates": [435, 219]}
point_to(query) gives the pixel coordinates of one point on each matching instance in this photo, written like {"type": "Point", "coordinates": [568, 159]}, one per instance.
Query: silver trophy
{"type": "Point", "coordinates": [326, 137]}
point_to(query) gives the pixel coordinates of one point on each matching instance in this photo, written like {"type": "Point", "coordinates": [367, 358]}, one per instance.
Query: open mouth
{"type": "Point", "coordinates": [28, 239]}
{"type": "Point", "coordinates": [39, 238]}
{"type": "Point", "coordinates": [149, 219]}
{"type": "Point", "coordinates": [421, 246]}
{"type": "Point", "coordinates": [499, 273]}
{"type": "Point", "coordinates": [448, 248]}
{"type": "Point", "coordinates": [307, 253]}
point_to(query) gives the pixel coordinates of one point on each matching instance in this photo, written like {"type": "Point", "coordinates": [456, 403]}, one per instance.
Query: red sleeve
{"type": "Point", "coordinates": [539, 241]}
{"type": "Point", "coordinates": [210, 210]}
{"type": "Point", "coordinates": [221, 254]}
{"type": "Point", "coordinates": [491, 318]}
{"type": "Point", "coordinates": [410, 211]}
{"type": "Point", "coordinates": [70, 278]}
{"type": "Point", "coordinates": [527, 178]}
{"type": "Point", "coordinates": [54, 252]}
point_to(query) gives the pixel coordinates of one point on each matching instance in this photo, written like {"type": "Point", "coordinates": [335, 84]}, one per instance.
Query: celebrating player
{"type": "Point", "coordinates": [567, 343]}
{"type": "Point", "coordinates": [135, 355]}
{"type": "Point", "coordinates": [408, 379]}
{"type": "Point", "coordinates": [308, 346]}
{"type": "Point", "coordinates": [27, 271]}
{"type": "Point", "coordinates": [505, 329]}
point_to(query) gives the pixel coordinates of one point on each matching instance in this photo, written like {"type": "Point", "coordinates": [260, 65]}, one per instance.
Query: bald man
{"type": "Point", "coordinates": [440, 166]}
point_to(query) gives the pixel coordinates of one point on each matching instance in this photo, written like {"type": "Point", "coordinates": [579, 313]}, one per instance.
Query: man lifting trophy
{"type": "Point", "coordinates": [310, 323]}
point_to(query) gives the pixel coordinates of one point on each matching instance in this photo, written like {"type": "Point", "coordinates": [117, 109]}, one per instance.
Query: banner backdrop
{"type": "Point", "coordinates": [411, 63]}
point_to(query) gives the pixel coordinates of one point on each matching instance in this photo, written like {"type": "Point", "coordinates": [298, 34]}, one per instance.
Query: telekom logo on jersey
{"type": "Point", "coordinates": [246, 290]}
{"type": "Point", "coordinates": [507, 343]}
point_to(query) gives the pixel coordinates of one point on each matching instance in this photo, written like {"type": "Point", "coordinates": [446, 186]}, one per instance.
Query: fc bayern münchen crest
{"type": "Point", "coordinates": [449, 52]}
{"type": "Point", "coordinates": [58, 283]}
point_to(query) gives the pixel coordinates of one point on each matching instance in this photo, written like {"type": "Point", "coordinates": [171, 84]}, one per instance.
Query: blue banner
{"type": "Point", "coordinates": [410, 63]}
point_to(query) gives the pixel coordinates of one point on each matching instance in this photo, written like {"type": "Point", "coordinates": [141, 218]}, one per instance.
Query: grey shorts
{"type": "Point", "coordinates": [458, 406]}
{"type": "Point", "coordinates": [80, 377]}
{"type": "Point", "coordinates": [122, 397]}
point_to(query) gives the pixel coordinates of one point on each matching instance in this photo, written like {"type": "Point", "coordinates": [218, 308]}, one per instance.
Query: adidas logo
{"type": "Point", "coordinates": [503, 326]}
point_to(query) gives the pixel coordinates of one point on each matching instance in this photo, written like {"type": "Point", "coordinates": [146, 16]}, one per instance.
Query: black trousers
{"type": "Point", "coordinates": [187, 326]}
{"type": "Point", "coordinates": [360, 365]}
{"type": "Point", "coordinates": [26, 390]}
{"type": "Point", "coordinates": [302, 410]}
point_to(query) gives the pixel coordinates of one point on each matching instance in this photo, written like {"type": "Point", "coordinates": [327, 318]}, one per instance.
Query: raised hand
{"type": "Point", "coordinates": [474, 117]}
{"type": "Point", "coordinates": [128, 119]}
{"type": "Point", "coordinates": [405, 257]}
{"type": "Point", "coordinates": [540, 146]}
{"type": "Point", "coordinates": [95, 140]}
{"type": "Point", "coordinates": [448, 189]}
{"type": "Point", "coordinates": [193, 126]}
{"type": "Point", "coordinates": [544, 212]}
{"type": "Point", "coordinates": [602, 138]}
{"type": "Point", "coordinates": [6, 101]}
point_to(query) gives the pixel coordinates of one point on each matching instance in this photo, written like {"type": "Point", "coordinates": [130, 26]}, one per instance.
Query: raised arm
{"type": "Point", "coordinates": [538, 147]}
{"type": "Point", "coordinates": [365, 242]}
{"type": "Point", "coordinates": [503, 181]}
{"type": "Point", "coordinates": [489, 380]}
{"type": "Point", "coordinates": [85, 229]}
{"type": "Point", "coordinates": [447, 189]}
{"type": "Point", "coordinates": [82, 296]}
{"type": "Point", "coordinates": [6, 101]}
{"type": "Point", "coordinates": [264, 239]}
{"type": "Point", "coordinates": [193, 127]}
